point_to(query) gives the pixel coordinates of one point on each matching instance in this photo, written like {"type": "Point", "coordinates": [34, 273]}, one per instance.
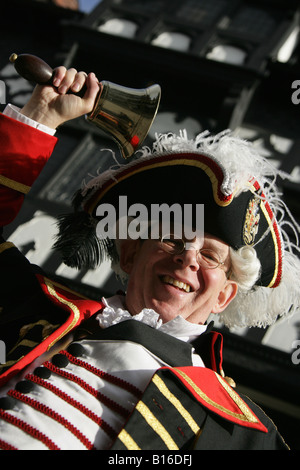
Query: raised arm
{"type": "Point", "coordinates": [25, 149]}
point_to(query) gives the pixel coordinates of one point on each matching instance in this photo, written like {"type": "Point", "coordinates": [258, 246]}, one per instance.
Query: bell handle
{"type": "Point", "coordinates": [36, 70]}
{"type": "Point", "coordinates": [32, 68]}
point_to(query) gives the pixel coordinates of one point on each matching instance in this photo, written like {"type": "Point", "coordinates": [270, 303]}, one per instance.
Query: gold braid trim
{"type": "Point", "coordinates": [249, 416]}
{"type": "Point", "coordinates": [5, 246]}
{"type": "Point", "coordinates": [127, 440]}
{"type": "Point", "coordinates": [73, 307]}
{"type": "Point", "coordinates": [271, 227]}
{"type": "Point", "coordinates": [20, 187]}
{"type": "Point", "coordinates": [194, 163]}
{"type": "Point", "coordinates": [156, 426]}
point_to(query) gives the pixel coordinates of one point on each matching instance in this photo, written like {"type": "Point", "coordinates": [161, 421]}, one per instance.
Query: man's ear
{"type": "Point", "coordinates": [226, 295]}
{"type": "Point", "coordinates": [128, 251]}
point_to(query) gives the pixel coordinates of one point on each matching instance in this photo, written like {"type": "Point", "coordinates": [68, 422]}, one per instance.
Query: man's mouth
{"type": "Point", "coordinates": [181, 285]}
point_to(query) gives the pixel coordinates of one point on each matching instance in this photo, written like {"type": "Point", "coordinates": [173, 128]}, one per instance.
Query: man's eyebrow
{"type": "Point", "coordinates": [209, 243]}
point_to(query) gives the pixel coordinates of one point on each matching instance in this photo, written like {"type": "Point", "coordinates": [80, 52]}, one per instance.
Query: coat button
{"type": "Point", "coordinates": [24, 386]}
{"type": "Point", "coordinates": [7, 403]}
{"type": "Point", "coordinates": [76, 349]}
{"type": "Point", "coordinates": [42, 372]}
{"type": "Point", "coordinates": [60, 360]}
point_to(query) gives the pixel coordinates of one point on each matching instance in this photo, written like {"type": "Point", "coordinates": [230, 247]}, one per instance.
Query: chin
{"type": "Point", "coordinates": [165, 311]}
{"type": "Point", "coordinates": [166, 316]}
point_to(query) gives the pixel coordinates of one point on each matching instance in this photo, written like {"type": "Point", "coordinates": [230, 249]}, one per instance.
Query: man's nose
{"type": "Point", "coordinates": [188, 258]}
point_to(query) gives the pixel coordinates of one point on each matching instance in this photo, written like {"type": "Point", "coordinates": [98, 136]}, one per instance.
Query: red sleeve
{"type": "Point", "coordinates": [24, 152]}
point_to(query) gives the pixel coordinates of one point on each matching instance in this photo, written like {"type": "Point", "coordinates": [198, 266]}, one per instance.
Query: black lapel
{"type": "Point", "coordinates": [203, 346]}
{"type": "Point", "coordinates": [171, 350]}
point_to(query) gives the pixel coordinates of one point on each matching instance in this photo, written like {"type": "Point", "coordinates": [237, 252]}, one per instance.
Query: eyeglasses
{"type": "Point", "coordinates": [206, 258]}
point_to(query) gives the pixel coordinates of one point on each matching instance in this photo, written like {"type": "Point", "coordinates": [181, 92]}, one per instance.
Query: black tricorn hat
{"type": "Point", "coordinates": [238, 216]}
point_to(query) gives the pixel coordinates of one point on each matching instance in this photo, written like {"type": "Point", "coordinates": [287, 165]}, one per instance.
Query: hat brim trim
{"type": "Point", "coordinates": [275, 233]}
{"type": "Point", "coordinates": [212, 170]}
{"type": "Point", "coordinates": [277, 244]}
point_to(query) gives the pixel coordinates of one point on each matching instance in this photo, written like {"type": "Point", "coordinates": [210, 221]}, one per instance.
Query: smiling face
{"type": "Point", "coordinates": [175, 285]}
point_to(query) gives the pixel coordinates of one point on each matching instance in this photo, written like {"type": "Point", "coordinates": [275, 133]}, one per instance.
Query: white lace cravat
{"type": "Point", "coordinates": [115, 312]}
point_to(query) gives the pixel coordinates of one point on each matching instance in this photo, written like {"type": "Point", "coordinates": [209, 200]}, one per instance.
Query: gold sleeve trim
{"type": "Point", "coordinates": [176, 403]}
{"type": "Point", "coordinates": [9, 183]}
{"type": "Point", "coordinates": [5, 246]}
{"type": "Point", "coordinates": [156, 426]}
{"type": "Point", "coordinates": [66, 289]}
{"type": "Point", "coordinates": [127, 440]}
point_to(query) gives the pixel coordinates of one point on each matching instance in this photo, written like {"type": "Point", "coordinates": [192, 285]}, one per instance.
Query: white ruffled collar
{"type": "Point", "coordinates": [115, 312]}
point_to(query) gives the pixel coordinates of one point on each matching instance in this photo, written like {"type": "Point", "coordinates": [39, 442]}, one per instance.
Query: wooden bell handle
{"type": "Point", "coordinates": [32, 68]}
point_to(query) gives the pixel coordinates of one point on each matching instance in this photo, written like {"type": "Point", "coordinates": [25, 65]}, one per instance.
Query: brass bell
{"type": "Point", "coordinates": [126, 114]}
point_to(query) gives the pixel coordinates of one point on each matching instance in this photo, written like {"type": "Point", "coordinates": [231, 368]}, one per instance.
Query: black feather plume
{"type": "Point", "coordinates": [78, 243]}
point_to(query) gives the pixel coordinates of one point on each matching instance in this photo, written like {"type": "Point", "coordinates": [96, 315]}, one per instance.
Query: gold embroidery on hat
{"type": "Point", "coordinates": [251, 221]}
